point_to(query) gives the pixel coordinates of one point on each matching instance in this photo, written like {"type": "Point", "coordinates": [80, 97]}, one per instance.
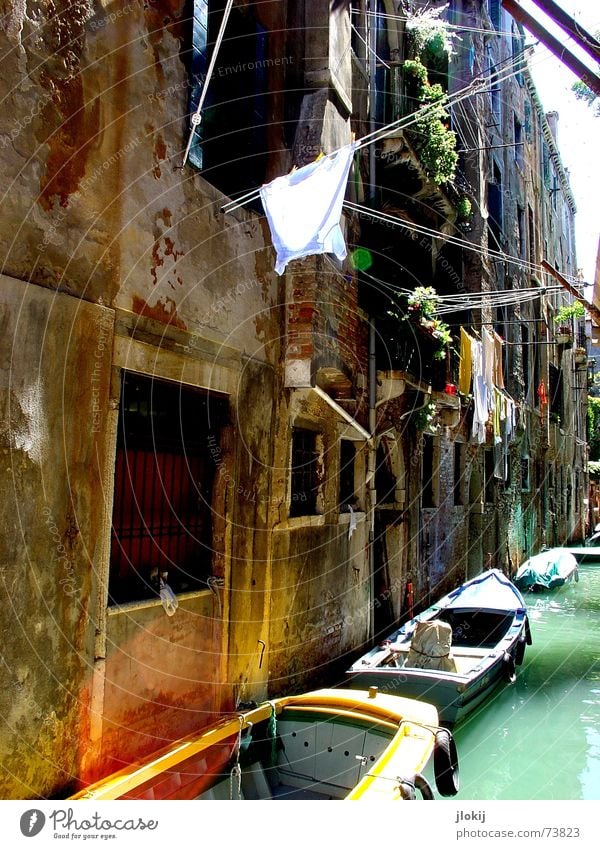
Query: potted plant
{"type": "Point", "coordinates": [564, 321]}
{"type": "Point", "coordinates": [463, 213]}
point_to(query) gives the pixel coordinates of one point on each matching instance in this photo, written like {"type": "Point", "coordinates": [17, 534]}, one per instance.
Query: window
{"type": "Point", "coordinates": [459, 472]}
{"type": "Point", "coordinates": [347, 496]}
{"type": "Point", "coordinates": [518, 49]}
{"type": "Point", "coordinates": [531, 235]}
{"type": "Point", "coordinates": [430, 473]}
{"type": "Point", "coordinates": [518, 139]}
{"type": "Point", "coordinates": [521, 232]}
{"type": "Point", "coordinates": [495, 210]}
{"type": "Point", "coordinates": [495, 12]}
{"type": "Point", "coordinates": [525, 474]}
{"type": "Point", "coordinates": [525, 357]}
{"type": "Point", "coordinates": [489, 467]}
{"type": "Point", "coordinates": [305, 465]}
{"type": "Point", "coordinates": [555, 393]}
{"type": "Point", "coordinates": [167, 455]}
{"type": "Point", "coordinates": [230, 143]}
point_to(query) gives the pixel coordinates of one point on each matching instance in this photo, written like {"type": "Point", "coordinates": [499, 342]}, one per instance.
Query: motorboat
{"type": "Point", "coordinates": [327, 744]}
{"type": "Point", "coordinates": [455, 652]}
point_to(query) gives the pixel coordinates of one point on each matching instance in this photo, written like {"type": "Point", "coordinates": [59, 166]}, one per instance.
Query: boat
{"type": "Point", "coordinates": [455, 652]}
{"type": "Point", "coordinates": [547, 570]}
{"type": "Point", "coordinates": [327, 744]}
{"type": "Point", "coordinates": [589, 552]}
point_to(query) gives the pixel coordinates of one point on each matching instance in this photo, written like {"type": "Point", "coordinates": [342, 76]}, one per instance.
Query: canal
{"type": "Point", "coordinates": [540, 737]}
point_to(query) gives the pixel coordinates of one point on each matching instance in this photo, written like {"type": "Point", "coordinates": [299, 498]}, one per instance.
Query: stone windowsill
{"type": "Point", "coordinates": [130, 606]}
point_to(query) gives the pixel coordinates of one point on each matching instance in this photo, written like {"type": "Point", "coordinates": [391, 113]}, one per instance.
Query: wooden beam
{"type": "Point", "coordinates": [593, 311]}
{"type": "Point", "coordinates": [574, 64]}
{"type": "Point", "coordinates": [584, 39]}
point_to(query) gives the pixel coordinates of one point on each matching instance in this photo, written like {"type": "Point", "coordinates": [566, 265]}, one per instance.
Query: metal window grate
{"type": "Point", "coordinates": [163, 488]}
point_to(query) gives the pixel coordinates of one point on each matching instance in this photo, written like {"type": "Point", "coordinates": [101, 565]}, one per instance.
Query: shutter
{"type": "Point", "coordinates": [198, 74]}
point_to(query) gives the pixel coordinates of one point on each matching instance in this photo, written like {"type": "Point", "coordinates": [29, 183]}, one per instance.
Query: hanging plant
{"type": "Point", "coordinates": [426, 418]}
{"type": "Point", "coordinates": [426, 32]}
{"type": "Point", "coordinates": [433, 141]}
{"type": "Point", "coordinates": [422, 305]}
{"type": "Point", "coordinates": [564, 314]}
{"type": "Point", "coordinates": [463, 208]}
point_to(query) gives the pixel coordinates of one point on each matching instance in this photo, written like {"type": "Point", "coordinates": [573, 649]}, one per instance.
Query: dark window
{"type": "Point", "coordinates": [489, 475]}
{"type": "Point", "coordinates": [521, 228]}
{"type": "Point", "coordinates": [458, 473]}
{"type": "Point", "coordinates": [230, 144]}
{"type": "Point", "coordinates": [525, 474]}
{"type": "Point", "coordinates": [518, 46]}
{"type": "Point", "coordinates": [305, 472]}
{"type": "Point", "coordinates": [531, 235]}
{"type": "Point", "coordinates": [495, 10]}
{"type": "Point", "coordinates": [518, 139]}
{"type": "Point", "coordinates": [429, 473]}
{"type": "Point", "coordinates": [555, 392]}
{"type": "Point", "coordinates": [167, 455]}
{"type": "Point", "coordinates": [347, 459]}
{"type": "Point", "coordinates": [525, 356]}
{"type": "Point", "coordinates": [495, 210]}
{"type": "Point", "coordinates": [385, 481]}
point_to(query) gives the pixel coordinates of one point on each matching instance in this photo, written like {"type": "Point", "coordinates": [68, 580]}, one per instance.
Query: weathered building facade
{"type": "Point", "coordinates": [287, 453]}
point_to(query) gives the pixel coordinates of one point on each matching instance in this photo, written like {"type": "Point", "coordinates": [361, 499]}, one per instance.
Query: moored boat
{"type": "Point", "coordinates": [455, 652]}
{"type": "Point", "coordinates": [547, 570]}
{"type": "Point", "coordinates": [328, 744]}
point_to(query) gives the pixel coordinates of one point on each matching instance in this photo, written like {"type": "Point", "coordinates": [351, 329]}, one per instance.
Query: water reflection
{"type": "Point", "coordinates": [540, 738]}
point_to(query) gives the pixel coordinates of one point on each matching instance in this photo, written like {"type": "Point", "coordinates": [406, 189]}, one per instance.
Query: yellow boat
{"type": "Point", "coordinates": [328, 744]}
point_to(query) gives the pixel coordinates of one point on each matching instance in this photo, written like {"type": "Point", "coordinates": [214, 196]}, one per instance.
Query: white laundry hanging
{"type": "Point", "coordinates": [304, 208]}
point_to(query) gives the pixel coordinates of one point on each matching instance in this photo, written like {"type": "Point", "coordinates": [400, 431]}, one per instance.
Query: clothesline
{"type": "Point", "coordinates": [488, 253]}
{"type": "Point", "coordinates": [402, 123]}
{"type": "Point", "coordinates": [197, 116]}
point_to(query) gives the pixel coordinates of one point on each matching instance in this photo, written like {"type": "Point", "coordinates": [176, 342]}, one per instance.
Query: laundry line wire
{"type": "Point", "coordinates": [405, 122]}
{"type": "Point", "coordinates": [428, 231]}
{"type": "Point", "coordinates": [197, 116]}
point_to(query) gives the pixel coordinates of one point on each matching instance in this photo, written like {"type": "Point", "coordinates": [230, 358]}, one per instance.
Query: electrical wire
{"type": "Point", "coordinates": [402, 123]}
{"type": "Point", "coordinates": [428, 231]}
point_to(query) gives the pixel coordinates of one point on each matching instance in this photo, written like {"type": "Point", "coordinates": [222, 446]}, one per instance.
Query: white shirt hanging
{"type": "Point", "coordinates": [304, 208]}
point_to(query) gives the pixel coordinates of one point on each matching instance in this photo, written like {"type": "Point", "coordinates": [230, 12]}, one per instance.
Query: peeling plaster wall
{"type": "Point", "coordinates": [96, 211]}
{"type": "Point", "coordinates": [55, 356]}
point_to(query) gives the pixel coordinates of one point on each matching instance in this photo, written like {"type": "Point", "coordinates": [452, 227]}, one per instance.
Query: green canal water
{"type": "Point", "coordinates": [539, 738]}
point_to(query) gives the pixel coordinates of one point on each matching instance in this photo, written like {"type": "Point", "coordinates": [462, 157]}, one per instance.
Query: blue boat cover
{"type": "Point", "coordinates": [489, 591]}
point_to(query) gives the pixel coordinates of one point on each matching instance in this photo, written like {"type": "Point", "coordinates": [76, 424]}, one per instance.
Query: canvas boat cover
{"type": "Point", "coordinates": [547, 569]}
{"type": "Point", "coordinates": [430, 647]}
{"type": "Point", "coordinates": [489, 591]}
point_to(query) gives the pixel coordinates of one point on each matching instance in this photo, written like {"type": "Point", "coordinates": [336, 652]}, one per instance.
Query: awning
{"type": "Point", "coordinates": [348, 427]}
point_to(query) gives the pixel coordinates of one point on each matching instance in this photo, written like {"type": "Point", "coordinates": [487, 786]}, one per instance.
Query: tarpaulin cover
{"type": "Point", "coordinates": [430, 647]}
{"type": "Point", "coordinates": [490, 591]}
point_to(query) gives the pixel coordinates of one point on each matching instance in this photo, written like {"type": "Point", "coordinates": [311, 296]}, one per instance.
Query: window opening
{"type": "Point", "coordinates": [167, 448]}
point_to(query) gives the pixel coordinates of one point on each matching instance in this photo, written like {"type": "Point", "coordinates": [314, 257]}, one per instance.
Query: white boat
{"type": "Point", "coordinates": [455, 652]}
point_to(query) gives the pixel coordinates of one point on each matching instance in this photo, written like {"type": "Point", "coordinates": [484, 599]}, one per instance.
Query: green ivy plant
{"type": "Point", "coordinates": [463, 208]}
{"type": "Point", "coordinates": [566, 313]}
{"type": "Point", "coordinates": [433, 141]}
{"type": "Point", "coordinates": [425, 418]}
{"type": "Point", "coordinates": [593, 427]}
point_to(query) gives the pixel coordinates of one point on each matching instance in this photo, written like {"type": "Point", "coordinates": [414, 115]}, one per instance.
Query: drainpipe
{"type": "Point", "coordinates": [371, 466]}
{"type": "Point", "coordinates": [372, 458]}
